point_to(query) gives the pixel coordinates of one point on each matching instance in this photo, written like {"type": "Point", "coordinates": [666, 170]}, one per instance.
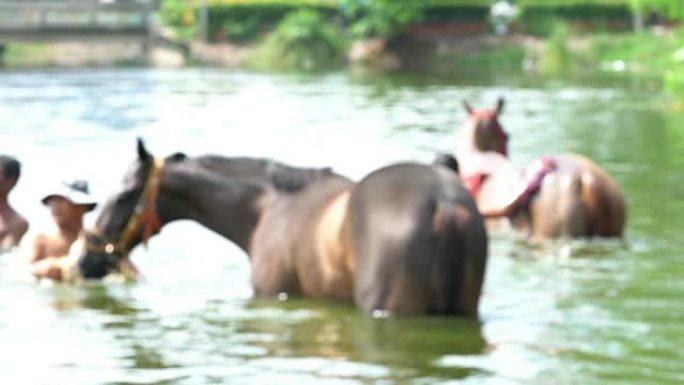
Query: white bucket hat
{"type": "Point", "coordinates": [76, 191]}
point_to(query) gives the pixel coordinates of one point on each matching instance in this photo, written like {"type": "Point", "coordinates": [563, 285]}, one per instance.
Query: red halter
{"type": "Point", "coordinates": [144, 216]}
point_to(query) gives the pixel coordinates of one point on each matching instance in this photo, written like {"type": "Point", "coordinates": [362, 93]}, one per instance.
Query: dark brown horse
{"type": "Point", "coordinates": [407, 239]}
{"type": "Point", "coordinates": [555, 196]}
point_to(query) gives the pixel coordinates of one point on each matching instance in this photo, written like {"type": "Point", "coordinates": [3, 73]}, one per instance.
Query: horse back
{"type": "Point", "coordinates": [419, 242]}
{"type": "Point", "coordinates": [603, 199]}
{"type": "Point", "coordinates": [291, 248]}
{"type": "Point", "coordinates": [577, 199]}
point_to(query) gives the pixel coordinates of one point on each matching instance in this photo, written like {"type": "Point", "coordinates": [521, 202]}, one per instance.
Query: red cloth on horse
{"type": "Point", "coordinates": [474, 183]}
{"type": "Point", "coordinates": [534, 182]}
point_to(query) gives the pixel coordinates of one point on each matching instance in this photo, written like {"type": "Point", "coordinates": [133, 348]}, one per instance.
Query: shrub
{"type": "Point", "coordinates": [180, 16]}
{"type": "Point", "coordinates": [539, 18]}
{"type": "Point", "coordinates": [557, 57]}
{"type": "Point", "coordinates": [381, 18]}
{"type": "Point", "coordinates": [674, 9]}
{"type": "Point", "coordinates": [303, 40]}
{"type": "Point", "coordinates": [246, 21]}
{"type": "Point", "coordinates": [235, 20]}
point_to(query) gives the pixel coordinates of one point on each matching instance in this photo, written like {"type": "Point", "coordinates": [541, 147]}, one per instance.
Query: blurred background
{"type": "Point", "coordinates": [354, 85]}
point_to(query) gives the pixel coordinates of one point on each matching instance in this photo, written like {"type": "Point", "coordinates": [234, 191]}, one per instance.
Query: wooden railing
{"type": "Point", "coordinates": [41, 20]}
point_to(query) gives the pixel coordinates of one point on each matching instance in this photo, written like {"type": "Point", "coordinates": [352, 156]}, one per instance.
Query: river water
{"type": "Point", "coordinates": [600, 312]}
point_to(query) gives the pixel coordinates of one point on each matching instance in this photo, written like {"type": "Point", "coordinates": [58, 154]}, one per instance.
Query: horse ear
{"type": "Point", "coordinates": [447, 160]}
{"type": "Point", "coordinates": [467, 107]}
{"type": "Point", "coordinates": [500, 105]}
{"type": "Point", "coordinates": [178, 157]}
{"type": "Point", "coordinates": [143, 154]}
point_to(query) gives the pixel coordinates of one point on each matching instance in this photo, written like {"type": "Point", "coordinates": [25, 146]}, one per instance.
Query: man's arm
{"type": "Point", "coordinates": [36, 250]}
{"type": "Point", "coordinates": [22, 229]}
{"type": "Point", "coordinates": [505, 211]}
{"type": "Point", "coordinates": [40, 264]}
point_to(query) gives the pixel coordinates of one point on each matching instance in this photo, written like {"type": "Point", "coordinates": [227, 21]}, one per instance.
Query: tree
{"type": "Point", "coordinates": [674, 9]}
{"type": "Point", "coordinates": [381, 18]}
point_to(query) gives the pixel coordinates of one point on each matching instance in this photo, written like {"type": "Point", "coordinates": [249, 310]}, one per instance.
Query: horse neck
{"type": "Point", "coordinates": [472, 159]}
{"type": "Point", "coordinates": [466, 145]}
{"type": "Point", "coordinates": [228, 207]}
{"type": "Point", "coordinates": [467, 152]}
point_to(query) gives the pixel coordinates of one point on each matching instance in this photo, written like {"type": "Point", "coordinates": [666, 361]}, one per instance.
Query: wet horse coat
{"type": "Point", "coordinates": [406, 239]}
{"type": "Point", "coordinates": [570, 196]}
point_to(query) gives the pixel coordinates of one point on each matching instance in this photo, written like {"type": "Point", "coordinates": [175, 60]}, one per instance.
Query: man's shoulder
{"type": "Point", "coordinates": [21, 218]}
{"type": "Point", "coordinates": [22, 223]}
{"type": "Point", "coordinates": [16, 219]}
{"type": "Point", "coordinates": [42, 236]}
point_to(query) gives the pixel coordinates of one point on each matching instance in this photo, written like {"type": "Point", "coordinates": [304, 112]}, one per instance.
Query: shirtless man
{"type": "Point", "coordinates": [50, 255]}
{"type": "Point", "coordinates": [531, 182]}
{"type": "Point", "coordinates": [12, 225]}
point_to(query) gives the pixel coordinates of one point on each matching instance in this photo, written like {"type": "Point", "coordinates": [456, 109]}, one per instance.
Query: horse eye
{"type": "Point", "coordinates": [124, 197]}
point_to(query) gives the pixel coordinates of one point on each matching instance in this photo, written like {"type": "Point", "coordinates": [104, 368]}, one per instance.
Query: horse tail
{"type": "Point", "coordinates": [603, 201]}
{"type": "Point", "coordinates": [458, 260]}
{"type": "Point", "coordinates": [436, 266]}
{"type": "Point", "coordinates": [420, 248]}
{"type": "Point", "coordinates": [605, 211]}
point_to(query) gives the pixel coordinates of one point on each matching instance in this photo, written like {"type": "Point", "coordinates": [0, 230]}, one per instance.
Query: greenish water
{"type": "Point", "coordinates": [600, 312]}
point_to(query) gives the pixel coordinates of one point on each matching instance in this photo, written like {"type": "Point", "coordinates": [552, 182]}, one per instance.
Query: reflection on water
{"type": "Point", "coordinates": [569, 313]}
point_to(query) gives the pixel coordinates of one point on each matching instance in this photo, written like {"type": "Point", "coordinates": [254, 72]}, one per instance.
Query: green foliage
{"type": "Point", "coordinates": [275, 3]}
{"type": "Point", "coordinates": [645, 54]}
{"type": "Point", "coordinates": [240, 29]}
{"type": "Point", "coordinates": [181, 16]}
{"type": "Point", "coordinates": [654, 54]}
{"type": "Point", "coordinates": [673, 75]}
{"type": "Point", "coordinates": [572, 3]}
{"type": "Point", "coordinates": [381, 18]}
{"type": "Point", "coordinates": [451, 13]}
{"type": "Point", "coordinates": [674, 9]}
{"type": "Point", "coordinates": [674, 81]}
{"type": "Point", "coordinates": [242, 23]}
{"type": "Point", "coordinates": [22, 54]}
{"type": "Point", "coordinates": [540, 18]}
{"type": "Point", "coordinates": [303, 40]}
{"type": "Point", "coordinates": [235, 20]}
{"type": "Point", "coordinates": [247, 20]}
{"type": "Point", "coordinates": [557, 57]}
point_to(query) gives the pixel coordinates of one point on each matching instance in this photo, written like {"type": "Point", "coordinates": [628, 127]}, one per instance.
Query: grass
{"type": "Point", "coordinates": [557, 57]}
{"type": "Point", "coordinates": [646, 55]}
{"type": "Point", "coordinates": [18, 54]}
{"type": "Point", "coordinates": [643, 52]}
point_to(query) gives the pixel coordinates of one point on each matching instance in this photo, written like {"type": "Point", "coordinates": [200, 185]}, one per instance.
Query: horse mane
{"type": "Point", "coordinates": [291, 179]}
{"type": "Point", "coordinates": [282, 176]}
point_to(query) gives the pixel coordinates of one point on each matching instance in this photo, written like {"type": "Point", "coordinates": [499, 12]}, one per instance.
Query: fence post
{"type": "Point", "coordinates": [204, 21]}
{"type": "Point", "coordinates": [637, 16]}
{"type": "Point", "coordinates": [150, 33]}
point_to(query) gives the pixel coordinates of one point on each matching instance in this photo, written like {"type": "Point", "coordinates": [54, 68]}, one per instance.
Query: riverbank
{"type": "Point", "coordinates": [69, 55]}
{"type": "Point", "coordinates": [407, 53]}
{"type": "Point", "coordinates": [656, 54]}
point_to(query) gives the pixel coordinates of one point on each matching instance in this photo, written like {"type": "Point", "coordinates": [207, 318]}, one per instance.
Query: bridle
{"type": "Point", "coordinates": [144, 216]}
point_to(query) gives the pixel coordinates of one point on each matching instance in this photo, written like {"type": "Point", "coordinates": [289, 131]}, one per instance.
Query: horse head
{"type": "Point", "coordinates": [156, 191]}
{"type": "Point", "coordinates": [483, 131]}
{"type": "Point", "coordinates": [128, 218]}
